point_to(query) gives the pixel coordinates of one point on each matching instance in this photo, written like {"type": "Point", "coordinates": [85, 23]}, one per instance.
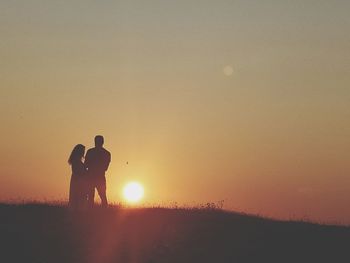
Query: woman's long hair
{"type": "Point", "coordinates": [77, 153]}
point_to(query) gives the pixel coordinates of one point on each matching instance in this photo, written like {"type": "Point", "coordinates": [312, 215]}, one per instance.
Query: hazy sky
{"type": "Point", "coordinates": [154, 77]}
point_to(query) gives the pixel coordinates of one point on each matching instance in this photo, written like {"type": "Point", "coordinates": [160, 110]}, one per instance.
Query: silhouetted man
{"type": "Point", "coordinates": [97, 160]}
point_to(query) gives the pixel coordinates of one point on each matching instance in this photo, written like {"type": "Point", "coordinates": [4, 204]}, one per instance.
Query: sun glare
{"type": "Point", "coordinates": [133, 192]}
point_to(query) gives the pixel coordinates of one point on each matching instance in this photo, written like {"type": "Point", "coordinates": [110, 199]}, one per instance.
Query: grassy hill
{"type": "Point", "coordinates": [45, 233]}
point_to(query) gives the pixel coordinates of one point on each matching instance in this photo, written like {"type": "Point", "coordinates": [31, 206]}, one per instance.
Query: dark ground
{"type": "Point", "coordinates": [44, 233]}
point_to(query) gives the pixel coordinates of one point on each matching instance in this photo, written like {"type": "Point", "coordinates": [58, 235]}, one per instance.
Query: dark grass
{"type": "Point", "coordinates": [51, 233]}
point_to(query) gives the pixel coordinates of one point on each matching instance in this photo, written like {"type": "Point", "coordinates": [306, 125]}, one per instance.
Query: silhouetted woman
{"type": "Point", "coordinates": [77, 189]}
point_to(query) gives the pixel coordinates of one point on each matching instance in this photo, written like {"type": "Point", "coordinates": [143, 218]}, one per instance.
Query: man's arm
{"type": "Point", "coordinates": [108, 160]}
{"type": "Point", "coordinates": [87, 159]}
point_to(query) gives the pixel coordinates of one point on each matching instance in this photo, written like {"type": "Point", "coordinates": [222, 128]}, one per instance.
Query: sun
{"type": "Point", "coordinates": [133, 192]}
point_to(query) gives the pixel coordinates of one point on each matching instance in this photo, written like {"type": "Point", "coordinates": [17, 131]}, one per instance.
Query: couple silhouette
{"type": "Point", "coordinates": [88, 175]}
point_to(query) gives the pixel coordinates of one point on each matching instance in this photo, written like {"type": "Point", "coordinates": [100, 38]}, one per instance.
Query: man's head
{"type": "Point", "coordinates": [99, 141]}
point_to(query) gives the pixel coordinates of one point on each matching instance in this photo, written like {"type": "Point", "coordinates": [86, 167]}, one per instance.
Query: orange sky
{"type": "Point", "coordinates": [225, 100]}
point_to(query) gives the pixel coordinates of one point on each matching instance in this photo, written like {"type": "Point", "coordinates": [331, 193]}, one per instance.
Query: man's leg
{"type": "Point", "coordinates": [91, 197]}
{"type": "Point", "coordinates": [101, 189]}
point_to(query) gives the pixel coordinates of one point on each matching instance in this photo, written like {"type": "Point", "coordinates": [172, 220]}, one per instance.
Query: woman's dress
{"type": "Point", "coordinates": [77, 189]}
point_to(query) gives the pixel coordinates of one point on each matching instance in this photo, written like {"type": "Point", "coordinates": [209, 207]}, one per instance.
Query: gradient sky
{"type": "Point", "coordinates": [271, 138]}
